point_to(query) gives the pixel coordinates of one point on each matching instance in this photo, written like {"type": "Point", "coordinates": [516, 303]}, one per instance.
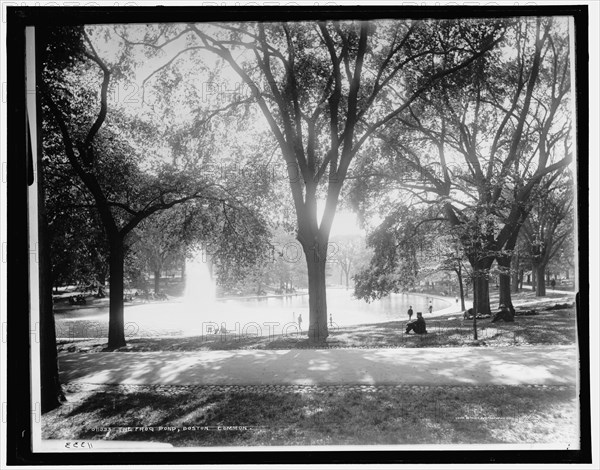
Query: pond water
{"type": "Point", "coordinates": [259, 316]}
{"type": "Point", "coordinates": [198, 312]}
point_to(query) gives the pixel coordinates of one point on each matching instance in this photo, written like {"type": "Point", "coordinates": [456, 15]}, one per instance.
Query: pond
{"type": "Point", "coordinates": [195, 315]}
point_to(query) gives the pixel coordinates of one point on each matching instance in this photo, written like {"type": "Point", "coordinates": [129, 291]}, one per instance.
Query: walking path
{"type": "Point", "coordinates": [533, 365]}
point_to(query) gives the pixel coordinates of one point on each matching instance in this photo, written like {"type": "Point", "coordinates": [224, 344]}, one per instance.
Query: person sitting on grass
{"type": "Point", "coordinates": [418, 325]}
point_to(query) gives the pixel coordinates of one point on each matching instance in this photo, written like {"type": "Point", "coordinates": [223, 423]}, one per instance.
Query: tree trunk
{"type": "Point", "coordinates": [481, 293]}
{"type": "Point", "coordinates": [116, 327]}
{"type": "Point", "coordinates": [51, 391]}
{"type": "Point", "coordinates": [505, 278]}
{"type": "Point", "coordinates": [514, 288]}
{"type": "Point", "coordinates": [347, 282]}
{"type": "Point", "coordinates": [156, 281]}
{"type": "Point", "coordinates": [540, 287]}
{"type": "Point", "coordinates": [317, 296]}
{"type": "Point", "coordinates": [461, 287]}
{"type": "Point", "coordinates": [210, 264]}
{"type": "Point", "coordinates": [521, 275]}
{"type": "Point", "coordinates": [481, 289]}
{"type": "Point", "coordinates": [514, 282]}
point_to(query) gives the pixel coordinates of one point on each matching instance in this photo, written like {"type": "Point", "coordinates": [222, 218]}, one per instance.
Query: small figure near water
{"type": "Point", "coordinates": [410, 312]}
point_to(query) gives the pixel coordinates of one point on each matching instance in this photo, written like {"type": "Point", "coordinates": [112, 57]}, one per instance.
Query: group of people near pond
{"type": "Point", "coordinates": [419, 325]}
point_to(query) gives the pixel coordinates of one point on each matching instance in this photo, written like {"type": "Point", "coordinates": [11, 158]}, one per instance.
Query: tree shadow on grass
{"type": "Point", "coordinates": [411, 415]}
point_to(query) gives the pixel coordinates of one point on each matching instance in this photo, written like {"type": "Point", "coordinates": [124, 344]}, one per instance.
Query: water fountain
{"type": "Point", "coordinates": [200, 289]}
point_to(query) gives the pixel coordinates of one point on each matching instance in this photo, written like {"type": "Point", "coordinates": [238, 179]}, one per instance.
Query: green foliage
{"type": "Point", "coordinates": [549, 231]}
{"type": "Point", "coordinates": [398, 246]}
{"type": "Point", "coordinates": [78, 256]}
{"type": "Point", "coordinates": [240, 245]}
{"type": "Point", "coordinates": [134, 169]}
{"type": "Point", "coordinates": [477, 143]}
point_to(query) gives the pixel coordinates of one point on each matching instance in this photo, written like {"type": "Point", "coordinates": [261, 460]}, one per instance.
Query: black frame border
{"type": "Point", "coordinates": [19, 335]}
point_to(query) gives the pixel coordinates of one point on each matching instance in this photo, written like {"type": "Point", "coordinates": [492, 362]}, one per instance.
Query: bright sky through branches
{"type": "Point", "coordinates": [344, 222]}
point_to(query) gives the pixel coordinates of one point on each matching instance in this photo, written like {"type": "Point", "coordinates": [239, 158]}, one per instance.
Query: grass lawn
{"type": "Point", "coordinates": [335, 415]}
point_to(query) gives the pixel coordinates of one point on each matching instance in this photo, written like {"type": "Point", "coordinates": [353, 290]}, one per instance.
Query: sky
{"type": "Point", "coordinates": [344, 222]}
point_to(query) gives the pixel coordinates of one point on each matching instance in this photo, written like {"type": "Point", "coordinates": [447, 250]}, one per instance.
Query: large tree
{"type": "Point", "coordinates": [119, 159]}
{"type": "Point", "coordinates": [325, 88]}
{"type": "Point", "coordinates": [481, 141]}
{"type": "Point", "coordinates": [549, 226]}
{"type": "Point", "coordinates": [58, 48]}
{"type": "Point", "coordinates": [78, 256]}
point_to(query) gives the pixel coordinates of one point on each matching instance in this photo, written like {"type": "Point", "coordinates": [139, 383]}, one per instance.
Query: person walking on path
{"type": "Point", "coordinates": [300, 322]}
{"type": "Point", "coordinates": [410, 312]}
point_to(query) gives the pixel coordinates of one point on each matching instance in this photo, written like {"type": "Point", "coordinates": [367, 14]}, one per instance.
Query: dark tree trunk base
{"type": "Point", "coordinates": [317, 297]}
{"type": "Point", "coordinates": [505, 285]}
{"type": "Point", "coordinates": [540, 287]}
{"type": "Point", "coordinates": [156, 282]}
{"type": "Point", "coordinates": [481, 295]}
{"type": "Point", "coordinates": [116, 326]}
